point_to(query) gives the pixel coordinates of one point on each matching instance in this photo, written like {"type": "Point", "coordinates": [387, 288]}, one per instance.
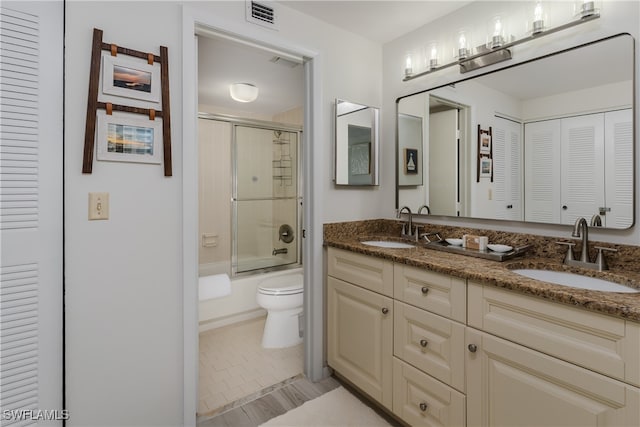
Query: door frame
{"type": "Point", "coordinates": [314, 367]}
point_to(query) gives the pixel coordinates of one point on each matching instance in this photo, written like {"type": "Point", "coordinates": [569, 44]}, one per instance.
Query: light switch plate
{"type": "Point", "coordinates": [98, 206]}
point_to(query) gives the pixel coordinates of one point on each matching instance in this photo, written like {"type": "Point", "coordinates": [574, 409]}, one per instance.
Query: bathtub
{"type": "Point", "coordinates": [240, 305]}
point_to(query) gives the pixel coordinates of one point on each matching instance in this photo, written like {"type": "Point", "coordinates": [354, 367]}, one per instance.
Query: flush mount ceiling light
{"type": "Point", "coordinates": [243, 92]}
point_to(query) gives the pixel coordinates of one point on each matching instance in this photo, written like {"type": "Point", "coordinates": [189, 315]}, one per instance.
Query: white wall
{"type": "Point", "coordinates": [123, 275]}
{"type": "Point", "coordinates": [124, 290]}
{"type": "Point", "coordinates": [616, 17]}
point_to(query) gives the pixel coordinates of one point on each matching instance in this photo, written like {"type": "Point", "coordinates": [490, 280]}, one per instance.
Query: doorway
{"type": "Point", "coordinates": [196, 22]}
{"type": "Point", "coordinates": [258, 142]}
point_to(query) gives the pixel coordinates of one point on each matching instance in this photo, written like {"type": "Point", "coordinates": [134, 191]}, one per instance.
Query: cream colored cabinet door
{"type": "Point", "coordinates": [360, 338]}
{"type": "Point", "coordinates": [510, 385]}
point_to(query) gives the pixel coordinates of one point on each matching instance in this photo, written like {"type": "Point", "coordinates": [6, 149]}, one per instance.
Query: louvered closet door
{"type": "Point", "coordinates": [542, 171]}
{"type": "Point", "coordinates": [507, 169]}
{"type": "Point", "coordinates": [618, 128]}
{"type": "Point", "coordinates": [31, 58]}
{"type": "Point", "coordinates": [582, 172]}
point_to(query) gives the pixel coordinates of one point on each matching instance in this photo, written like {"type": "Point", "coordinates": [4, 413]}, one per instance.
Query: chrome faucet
{"type": "Point", "coordinates": [408, 224]}
{"type": "Point", "coordinates": [581, 224]}
{"type": "Point", "coordinates": [424, 207]}
{"type": "Point", "coordinates": [581, 229]}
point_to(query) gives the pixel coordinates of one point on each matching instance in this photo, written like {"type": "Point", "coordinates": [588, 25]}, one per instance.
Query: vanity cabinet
{"type": "Point", "coordinates": [527, 360]}
{"type": "Point", "coordinates": [360, 322]}
{"type": "Point", "coordinates": [440, 350]}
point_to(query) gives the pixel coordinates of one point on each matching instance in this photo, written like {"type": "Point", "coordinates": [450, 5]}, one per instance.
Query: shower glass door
{"type": "Point", "coordinates": [266, 199]}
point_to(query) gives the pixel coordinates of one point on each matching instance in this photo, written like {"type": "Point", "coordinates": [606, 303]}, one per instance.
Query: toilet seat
{"type": "Point", "coordinates": [283, 285]}
{"type": "Point", "coordinates": [274, 290]}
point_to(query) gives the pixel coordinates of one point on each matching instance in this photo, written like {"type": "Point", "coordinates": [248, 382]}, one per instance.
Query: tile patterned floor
{"type": "Point", "coordinates": [233, 364]}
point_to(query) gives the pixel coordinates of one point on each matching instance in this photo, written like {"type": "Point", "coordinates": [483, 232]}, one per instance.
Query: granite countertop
{"type": "Point", "coordinates": [499, 274]}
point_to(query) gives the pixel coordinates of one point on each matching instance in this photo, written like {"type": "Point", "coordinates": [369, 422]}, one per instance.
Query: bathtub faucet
{"type": "Point", "coordinates": [279, 251]}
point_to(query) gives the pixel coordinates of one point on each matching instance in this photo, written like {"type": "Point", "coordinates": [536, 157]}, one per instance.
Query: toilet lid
{"type": "Point", "coordinates": [282, 285]}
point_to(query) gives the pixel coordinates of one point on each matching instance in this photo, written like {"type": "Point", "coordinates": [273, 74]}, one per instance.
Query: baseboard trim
{"type": "Point", "coordinates": [207, 325]}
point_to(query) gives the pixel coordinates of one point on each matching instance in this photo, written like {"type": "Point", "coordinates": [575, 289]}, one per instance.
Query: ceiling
{"type": "Point", "coordinates": [222, 62]}
{"type": "Point", "coordinates": [380, 21]}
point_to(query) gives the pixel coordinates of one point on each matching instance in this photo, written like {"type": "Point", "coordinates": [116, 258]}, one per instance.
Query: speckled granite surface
{"type": "Point", "coordinates": [624, 265]}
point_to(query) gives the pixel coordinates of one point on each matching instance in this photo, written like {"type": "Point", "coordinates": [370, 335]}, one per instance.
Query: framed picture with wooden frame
{"type": "Point", "coordinates": [486, 167]}
{"type": "Point", "coordinates": [140, 83]}
{"type": "Point", "coordinates": [125, 137]}
{"type": "Point", "coordinates": [130, 78]}
{"type": "Point", "coordinates": [484, 164]}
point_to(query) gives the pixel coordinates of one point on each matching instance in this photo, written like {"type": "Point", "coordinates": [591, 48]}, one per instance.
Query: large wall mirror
{"type": "Point", "coordinates": [546, 141]}
{"type": "Point", "coordinates": [356, 144]}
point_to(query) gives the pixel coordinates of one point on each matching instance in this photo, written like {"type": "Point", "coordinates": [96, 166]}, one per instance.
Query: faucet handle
{"type": "Point", "coordinates": [600, 258]}
{"type": "Point", "coordinates": [569, 255]}
{"type": "Point", "coordinates": [435, 235]}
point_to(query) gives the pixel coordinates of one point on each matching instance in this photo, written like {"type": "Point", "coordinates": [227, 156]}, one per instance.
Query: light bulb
{"type": "Point", "coordinates": [497, 40]}
{"type": "Point", "coordinates": [497, 29]}
{"type": "Point", "coordinates": [538, 19]}
{"type": "Point", "coordinates": [463, 46]}
{"type": "Point", "coordinates": [433, 58]}
{"type": "Point", "coordinates": [408, 68]}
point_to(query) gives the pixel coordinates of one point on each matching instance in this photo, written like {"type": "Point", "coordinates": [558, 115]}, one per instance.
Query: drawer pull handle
{"type": "Point", "coordinates": [423, 343]}
{"type": "Point", "coordinates": [424, 290]}
{"type": "Point", "coordinates": [423, 406]}
{"type": "Point", "coordinates": [385, 310]}
{"type": "Point", "coordinates": [472, 348]}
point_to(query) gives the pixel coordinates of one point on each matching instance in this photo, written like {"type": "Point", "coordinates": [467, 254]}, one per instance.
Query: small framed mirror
{"type": "Point", "coordinates": [356, 144]}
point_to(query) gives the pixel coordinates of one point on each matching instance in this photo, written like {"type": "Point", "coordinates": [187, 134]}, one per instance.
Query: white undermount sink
{"type": "Point", "coordinates": [388, 244]}
{"type": "Point", "coordinates": [573, 280]}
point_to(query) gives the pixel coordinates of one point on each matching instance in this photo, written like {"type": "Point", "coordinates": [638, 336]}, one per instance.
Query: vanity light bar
{"type": "Point", "coordinates": [492, 56]}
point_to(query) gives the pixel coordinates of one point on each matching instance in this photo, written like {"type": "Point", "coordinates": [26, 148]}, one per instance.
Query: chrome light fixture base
{"type": "Point", "coordinates": [486, 57]}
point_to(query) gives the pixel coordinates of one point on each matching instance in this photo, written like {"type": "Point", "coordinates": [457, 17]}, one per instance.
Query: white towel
{"type": "Point", "coordinates": [215, 286]}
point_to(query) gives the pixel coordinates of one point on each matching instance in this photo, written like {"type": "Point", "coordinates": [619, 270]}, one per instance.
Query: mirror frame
{"type": "Point", "coordinates": [555, 53]}
{"type": "Point", "coordinates": [374, 149]}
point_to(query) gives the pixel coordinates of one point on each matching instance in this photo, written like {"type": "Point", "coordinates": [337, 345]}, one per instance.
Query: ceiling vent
{"type": "Point", "coordinates": [284, 61]}
{"type": "Point", "coordinates": [261, 13]}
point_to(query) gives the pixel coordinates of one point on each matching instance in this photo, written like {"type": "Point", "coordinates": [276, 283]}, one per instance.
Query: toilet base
{"type": "Point", "coordinates": [281, 329]}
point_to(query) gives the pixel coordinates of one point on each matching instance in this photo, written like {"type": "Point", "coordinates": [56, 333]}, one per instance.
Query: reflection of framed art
{"type": "Point", "coordinates": [485, 167]}
{"type": "Point", "coordinates": [128, 138]}
{"type": "Point", "coordinates": [411, 161]}
{"type": "Point", "coordinates": [410, 147]}
{"type": "Point", "coordinates": [360, 159]}
{"type": "Point", "coordinates": [485, 143]}
{"type": "Point", "coordinates": [485, 154]}
{"type": "Point", "coordinates": [130, 78]}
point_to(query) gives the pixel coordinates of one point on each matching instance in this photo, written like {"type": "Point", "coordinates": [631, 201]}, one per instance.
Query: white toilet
{"type": "Point", "coordinates": [281, 296]}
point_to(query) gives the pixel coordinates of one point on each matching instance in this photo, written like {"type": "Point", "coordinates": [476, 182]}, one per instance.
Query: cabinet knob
{"type": "Point", "coordinates": [385, 310]}
{"type": "Point", "coordinates": [564, 207]}
{"type": "Point", "coordinates": [424, 290]}
{"type": "Point", "coordinates": [423, 343]}
{"type": "Point", "coordinates": [472, 348]}
{"type": "Point", "coordinates": [423, 406]}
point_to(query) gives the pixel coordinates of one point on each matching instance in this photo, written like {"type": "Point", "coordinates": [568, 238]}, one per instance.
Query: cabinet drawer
{"type": "Point", "coordinates": [430, 342]}
{"type": "Point", "coordinates": [420, 400]}
{"type": "Point", "coordinates": [601, 343]}
{"type": "Point", "coordinates": [369, 272]}
{"type": "Point", "coordinates": [439, 293]}
{"type": "Point", "coordinates": [360, 338]}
